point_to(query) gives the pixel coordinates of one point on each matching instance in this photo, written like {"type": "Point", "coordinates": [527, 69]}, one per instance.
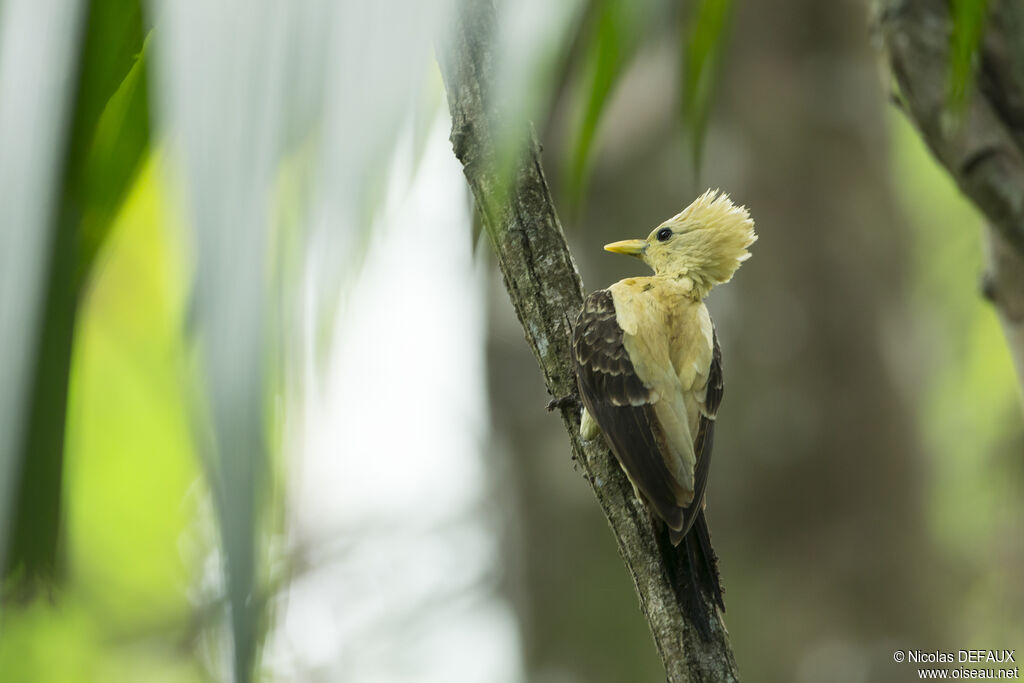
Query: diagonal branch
{"type": "Point", "coordinates": [545, 288]}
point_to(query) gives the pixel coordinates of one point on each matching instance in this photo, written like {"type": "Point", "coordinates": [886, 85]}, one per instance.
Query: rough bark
{"type": "Point", "coordinates": [545, 288]}
{"type": "Point", "coordinates": [982, 147]}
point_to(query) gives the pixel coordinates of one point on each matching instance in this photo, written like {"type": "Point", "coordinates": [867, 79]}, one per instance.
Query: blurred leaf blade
{"type": "Point", "coordinates": [119, 147]}
{"type": "Point", "coordinates": [969, 17]}
{"type": "Point", "coordinates": [33, 117]}
{"type": "Point", "coordinates": [112, 37]}
{"type": "Point", "coordinates": [202, 82]}
{"type": "Point", "coordinates": [615, 35]}
{"type": "Point", "coordinates": [703, 46]}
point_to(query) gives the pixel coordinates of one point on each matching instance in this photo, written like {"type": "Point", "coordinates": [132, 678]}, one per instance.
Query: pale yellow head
{"type": "Point", "coordinates": [706, 242]}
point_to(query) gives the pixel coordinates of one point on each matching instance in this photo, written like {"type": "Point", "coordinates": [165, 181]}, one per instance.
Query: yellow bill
{"type": "Point", "coordinates": [627, 247]}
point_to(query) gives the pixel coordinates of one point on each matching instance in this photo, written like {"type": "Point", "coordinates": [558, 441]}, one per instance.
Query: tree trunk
{"type": "Point", "coordinates": [545, 289]}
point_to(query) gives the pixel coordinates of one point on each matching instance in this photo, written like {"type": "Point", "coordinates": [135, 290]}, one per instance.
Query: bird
{"type": "Point", "coordinates": [649, 367]}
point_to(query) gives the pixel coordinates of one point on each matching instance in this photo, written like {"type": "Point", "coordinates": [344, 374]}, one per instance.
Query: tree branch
{"type": "Point", "coordinates": [981, 147]}
{"type": "Point", "coordinates": [545, 288]}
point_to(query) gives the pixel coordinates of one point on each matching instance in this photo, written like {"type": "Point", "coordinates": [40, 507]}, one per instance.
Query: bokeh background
{"type": "Point", "coordinates": [300, 436]}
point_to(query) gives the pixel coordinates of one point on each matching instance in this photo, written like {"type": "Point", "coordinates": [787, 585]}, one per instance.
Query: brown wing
{"type": "Point", "coordinates": [621, 404]}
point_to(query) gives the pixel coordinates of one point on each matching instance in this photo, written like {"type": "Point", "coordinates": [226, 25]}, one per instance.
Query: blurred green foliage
{"type": "Point", "coordinates": [613, 34]}
{"type": "Point", "coordinates": [136, 604]}
{"type": "Point", "coordinates": [706, 37]}
{"type": "Point", "coordinates": [969, 18]}
{"type": "Point", "coordinates": [615, 31]}
{"type": "Point", "coordinates": [109, 132]}
{"type": "Point", "coordinates": [136, 524]}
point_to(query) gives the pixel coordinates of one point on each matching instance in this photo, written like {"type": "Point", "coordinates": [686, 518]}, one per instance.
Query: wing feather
{"type": "Point", "coordinates": [624, 407]}
{"type": "Point", "coordinates": [622, 404]}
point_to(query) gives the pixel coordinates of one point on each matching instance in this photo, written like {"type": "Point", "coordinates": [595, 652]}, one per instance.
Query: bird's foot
{"type": "Point", "coordinates": [567, 401]}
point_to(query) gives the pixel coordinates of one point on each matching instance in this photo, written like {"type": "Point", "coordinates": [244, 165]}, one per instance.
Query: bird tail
{"type": "Point", "coordinates": [705, 561]}
{"type": "Point", "coordinates": [693, 567]}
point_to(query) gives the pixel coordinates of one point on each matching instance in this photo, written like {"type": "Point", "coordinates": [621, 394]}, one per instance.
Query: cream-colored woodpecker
{"type": "Point", "coordinates": [649, 367]}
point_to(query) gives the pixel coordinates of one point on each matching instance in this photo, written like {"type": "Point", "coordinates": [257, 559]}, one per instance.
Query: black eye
{"type": "Point", "coordinates": [664, 234]}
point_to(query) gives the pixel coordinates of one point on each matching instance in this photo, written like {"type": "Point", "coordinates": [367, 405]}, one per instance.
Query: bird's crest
{"type": "Point", "coordinates": [716, 234]}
